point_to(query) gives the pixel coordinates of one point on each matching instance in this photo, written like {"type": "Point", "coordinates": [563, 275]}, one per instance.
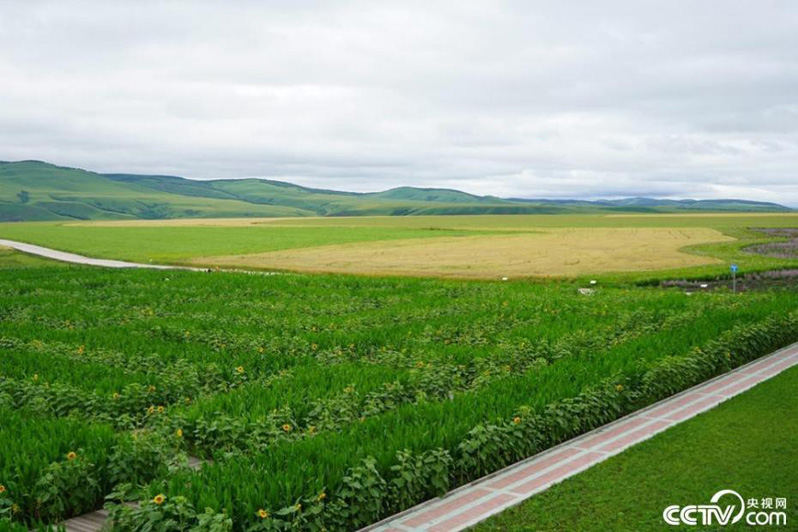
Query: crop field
{"type": "Point", "coordinates": [548, 252]}
{"type": "Point", "coordinates": [634, 247]}
{"type": "Point", "coordinates": [323, 402]}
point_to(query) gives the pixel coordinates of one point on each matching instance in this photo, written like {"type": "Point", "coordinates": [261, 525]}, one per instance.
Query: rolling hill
{"type": "Point", "coordinates": [35, 190]}
{"type": "Point", "coordinates": [658, 205]}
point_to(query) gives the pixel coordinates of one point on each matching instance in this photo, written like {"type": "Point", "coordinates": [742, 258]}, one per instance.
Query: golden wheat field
{"type": "Point", "coordinates": [547, 252]}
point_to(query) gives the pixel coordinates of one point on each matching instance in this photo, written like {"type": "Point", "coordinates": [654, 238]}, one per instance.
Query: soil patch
{"type": "Point", "coordinates": [772, 280]}
{"type": "Point", "coordinates": [780, 250]}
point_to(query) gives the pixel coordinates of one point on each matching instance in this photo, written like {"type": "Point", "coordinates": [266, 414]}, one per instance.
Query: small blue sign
{"type": "Point", "coordinates": [734, 268]}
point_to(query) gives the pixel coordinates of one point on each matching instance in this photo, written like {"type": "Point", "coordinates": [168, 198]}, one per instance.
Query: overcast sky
{"type": "Point", "coordinates": [530, 99]}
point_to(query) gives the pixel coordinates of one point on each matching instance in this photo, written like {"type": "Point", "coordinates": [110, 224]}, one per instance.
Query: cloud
{"type": "Point", "coordinates": [576, 99]}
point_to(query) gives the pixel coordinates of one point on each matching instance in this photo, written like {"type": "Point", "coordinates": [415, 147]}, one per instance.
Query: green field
{"type": "Point", "coordinates": [181, 244]}
{"type": "Point", "coordinates": [748, 444]}
{"type": "Point", "coordinates": [10, 259]}
{"type": "Point", "coordinates": [325, 401]}
{"type": "Point", "coordinates": [626, 247]}
{"type": "Point", "coordinates": [269, 225]}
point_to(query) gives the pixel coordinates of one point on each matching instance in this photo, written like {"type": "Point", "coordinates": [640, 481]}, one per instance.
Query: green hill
{"type": "Point", "coordinates": [438, 195]}
{"type": "Point", "coordinates": [35, 190]}
{"type": "Point", "coordinates": [32, 190]}
{"type": "Point", "coordinates": [666, 205]}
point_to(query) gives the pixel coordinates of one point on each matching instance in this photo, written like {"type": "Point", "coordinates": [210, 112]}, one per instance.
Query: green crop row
{"type": "Point", "coordinates": [302, 388]}
{"type": "Point", "coordinates": [275, 322]}
{"type": "Point", "coordinates": [370, 490]}
{"type": "Point", "coordinates": [255, 417]}
{"type": "Point", "coordinates": [52, 469]}
{"type": "Point", "coordinates": [318, 462]}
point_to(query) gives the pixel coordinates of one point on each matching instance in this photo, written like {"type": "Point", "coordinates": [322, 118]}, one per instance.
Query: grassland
{"type": "Point", "coordinates": [181, 244]}
{"type": "Point", "coordinates": [747, 444]}
{"type": "Point", "coordinates": [326, 401]}
{"type": "Point", "coordinates": [627, 247]}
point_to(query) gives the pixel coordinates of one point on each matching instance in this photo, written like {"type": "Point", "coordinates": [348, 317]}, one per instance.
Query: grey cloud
{"type": "Point", "coordinates": [577, 99]}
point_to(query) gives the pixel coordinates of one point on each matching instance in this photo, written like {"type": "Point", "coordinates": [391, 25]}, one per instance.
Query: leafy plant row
{"type": "Point", "coordinates": [52, 469]}
{"type": "Point", "coordinates": [291, 382]}
{"type": "Point", "coordinates": [271, 324]}
{"type": "Point", "coordinates": [250, 420]}
{"type": "Point", "coordinates": [370, 491]}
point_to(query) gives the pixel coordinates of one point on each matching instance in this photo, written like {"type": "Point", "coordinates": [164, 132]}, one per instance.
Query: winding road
{"type": "Point", "coordinates": [80, 259]}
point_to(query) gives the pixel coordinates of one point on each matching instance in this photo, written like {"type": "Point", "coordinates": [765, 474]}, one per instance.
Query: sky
{"type": "Point", "coordinates": [566, 99]}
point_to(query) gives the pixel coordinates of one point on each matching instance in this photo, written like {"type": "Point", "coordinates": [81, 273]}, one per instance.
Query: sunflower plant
{"type": "Point", "coordinates": [161, 513]}
{"type": "Point", "coordinates": [6, 503]}
{"type": "Point", "coordinates": [67, 487]}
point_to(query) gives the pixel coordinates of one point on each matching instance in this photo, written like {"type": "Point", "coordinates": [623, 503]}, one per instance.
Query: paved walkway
{"type": "Point", "coordinates": [490, 495]}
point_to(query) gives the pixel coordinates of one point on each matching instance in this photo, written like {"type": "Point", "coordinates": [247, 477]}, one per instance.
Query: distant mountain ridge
{"type": "Point", "coordinates": [686, 204]}
{"type": "Point", "coordinates": [35, 190]}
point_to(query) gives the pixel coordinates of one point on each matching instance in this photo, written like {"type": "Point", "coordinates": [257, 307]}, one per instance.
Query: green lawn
{"type": "Point", "coordinates": [748, 444]}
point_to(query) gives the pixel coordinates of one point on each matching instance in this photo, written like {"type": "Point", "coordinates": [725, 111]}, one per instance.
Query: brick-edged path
{"type": "Point", "coordinates": [490, 495]}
